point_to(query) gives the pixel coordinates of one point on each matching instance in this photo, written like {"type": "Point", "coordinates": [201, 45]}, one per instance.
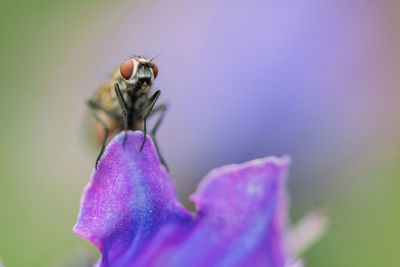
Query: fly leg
{"type": "Point", "coordinates": [124, 107]}
{"type": "Point", "coordinates": [160, 108]}
{"type": "Point", "coordinates": [153, 100]}
{"type": "Point", "coordinates": [94, 106]}
{"type": "Point", "coordinates": [106, 130]}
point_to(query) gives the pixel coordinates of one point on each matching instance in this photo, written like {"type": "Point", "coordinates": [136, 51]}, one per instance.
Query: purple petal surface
{"type": "Point", "coordinates": [130, 211]}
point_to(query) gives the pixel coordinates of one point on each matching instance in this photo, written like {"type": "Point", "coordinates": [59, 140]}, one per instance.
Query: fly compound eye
{"type": "Point", "coordinates": [155, 69]}
{"type": "Point", "coordinates": [126, 69]}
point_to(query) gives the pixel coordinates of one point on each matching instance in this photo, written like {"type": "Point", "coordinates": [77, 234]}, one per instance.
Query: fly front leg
{"type": "Point", "coordinates": [124, 107]}
{"type": "Point", "coordinates": [153, 100]}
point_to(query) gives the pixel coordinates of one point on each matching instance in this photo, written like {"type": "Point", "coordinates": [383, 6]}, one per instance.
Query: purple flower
{"type": "Point", "coordinates": [130, 211]}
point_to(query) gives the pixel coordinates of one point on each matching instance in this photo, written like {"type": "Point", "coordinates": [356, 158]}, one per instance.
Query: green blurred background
{"type": "Point", "coordinates": [53, 54]}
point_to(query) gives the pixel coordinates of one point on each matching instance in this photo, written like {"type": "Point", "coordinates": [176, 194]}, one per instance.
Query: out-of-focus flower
{"type": "Point", "coordinates": [130, 211]}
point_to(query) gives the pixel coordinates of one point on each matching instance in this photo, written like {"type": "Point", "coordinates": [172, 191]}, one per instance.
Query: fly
{"type": "Point", "coordinates": [125, 102]}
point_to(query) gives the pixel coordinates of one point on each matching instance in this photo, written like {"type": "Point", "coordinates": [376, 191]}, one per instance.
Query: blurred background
{"type": "Point", "coordinates": [317, 80]}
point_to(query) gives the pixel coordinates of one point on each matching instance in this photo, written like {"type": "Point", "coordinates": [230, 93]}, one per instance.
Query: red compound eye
{"type": "Point", "coordinates": [126, 69]}
{"type": "Point", "coordinates": [155, 70]}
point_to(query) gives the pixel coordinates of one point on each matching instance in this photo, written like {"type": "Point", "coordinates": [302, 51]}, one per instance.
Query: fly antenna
{"type": "Point", "coordinates": [151, 60]}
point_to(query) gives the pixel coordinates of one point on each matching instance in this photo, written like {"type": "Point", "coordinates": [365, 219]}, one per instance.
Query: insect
{"type": "Point", "coordinates": [125, 102]}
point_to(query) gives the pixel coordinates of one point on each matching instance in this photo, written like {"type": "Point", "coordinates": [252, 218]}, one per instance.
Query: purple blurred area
{"type": "Point", "coordinates": [316, 80]}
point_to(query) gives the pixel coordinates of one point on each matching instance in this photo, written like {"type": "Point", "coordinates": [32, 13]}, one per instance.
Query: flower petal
{"type": "Point", "coordinates": [242, 214]}
{"type": "Point", "coordinates": [307, 231]}
{"type": "Point", "coordinates": [131, 213]}
{"type": "Point", "coordinates": [129, 197]}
